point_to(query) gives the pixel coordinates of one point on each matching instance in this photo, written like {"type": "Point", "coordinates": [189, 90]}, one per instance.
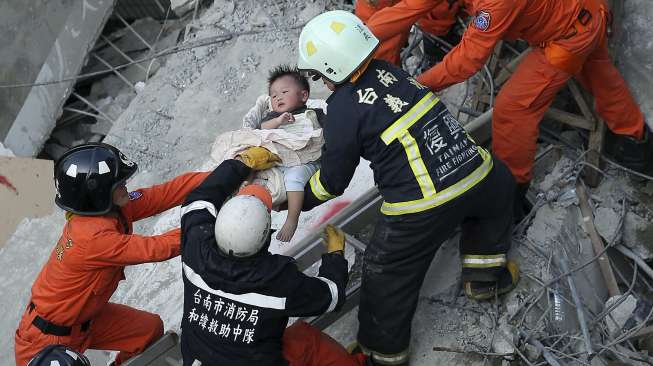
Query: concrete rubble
{"type": "Point", "coordinates": [60, 33]}
{"type": "Point", "coordinates": [110, 94]}
{"type": "Point", "coordinates": [169, 124]}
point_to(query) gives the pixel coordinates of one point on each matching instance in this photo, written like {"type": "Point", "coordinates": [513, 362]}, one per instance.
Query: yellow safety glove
{"type": "Point", "coordinates": [334, 239]}
{"type": "Point", "coordinates": [259, 158]}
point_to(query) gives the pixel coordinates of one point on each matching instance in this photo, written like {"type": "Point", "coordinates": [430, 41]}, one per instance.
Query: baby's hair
{"type": "Point", "coordinates": [293, 72]}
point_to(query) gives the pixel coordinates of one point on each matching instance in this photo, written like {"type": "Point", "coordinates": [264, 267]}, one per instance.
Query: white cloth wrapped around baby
{"type": "Point", "coordinates": [298, 144]}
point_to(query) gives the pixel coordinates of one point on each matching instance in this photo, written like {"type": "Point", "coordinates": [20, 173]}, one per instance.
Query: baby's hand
{"type": "Point", "coordinates": [287, 118]}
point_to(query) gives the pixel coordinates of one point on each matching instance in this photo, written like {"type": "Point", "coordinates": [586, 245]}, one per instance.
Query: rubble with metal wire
{"type": "Point", "coordinates": [585, 296]}
{"type": "Point", "coordinates": [586, 286]}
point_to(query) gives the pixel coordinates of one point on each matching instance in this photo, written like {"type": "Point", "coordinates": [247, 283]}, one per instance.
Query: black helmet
{"type": "Point", "coordinates": [57, 354]}
{"type": "Point", "coordinates": [86, 176]}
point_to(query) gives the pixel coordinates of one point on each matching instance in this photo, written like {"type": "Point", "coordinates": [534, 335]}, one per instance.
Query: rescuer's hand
{"type": "Point", "coordinates": [259, 158]}
{"type": "Point", "coordinates": [334, 239]}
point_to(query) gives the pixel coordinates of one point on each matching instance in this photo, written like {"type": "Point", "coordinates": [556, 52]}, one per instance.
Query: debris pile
{"type": "Point", "coordinates": [98, 100]}
{"type": "Point", "coordinates": [585, 297]}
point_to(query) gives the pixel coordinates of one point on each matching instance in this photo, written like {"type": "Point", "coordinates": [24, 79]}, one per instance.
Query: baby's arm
{"type": "Point", "coordinates": [273, 123]}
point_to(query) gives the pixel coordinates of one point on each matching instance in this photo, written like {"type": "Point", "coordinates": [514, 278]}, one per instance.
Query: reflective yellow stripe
{"type": "Point", "coordinates": [484, 261]}
{"type": "Point", "coordinates": [431, 198]}
{"type": "Point", "coordinates": [444, 196]}
{"type": "Point", "coordinates": [318, 189]}
{"type": "Point", "coordinates": [399, 131]}
{"type": "Point", "coordinates": [409, 118]}
{"type": "Point", "coordinates": [417, 164]}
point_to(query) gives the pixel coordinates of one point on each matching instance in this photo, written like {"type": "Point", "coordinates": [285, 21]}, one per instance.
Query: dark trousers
{"type": "Point", "coordinates": [403, 247]}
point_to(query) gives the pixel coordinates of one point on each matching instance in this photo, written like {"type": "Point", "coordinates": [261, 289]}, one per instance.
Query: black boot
{"type": "Point", "coordinates": [629, 152]}
{"type": "Point", "coordinates": [521, 205]}
{"type": "Point", "coordinates": [355, 348]}
{"type": "Point", "coordinates": [507, 280]}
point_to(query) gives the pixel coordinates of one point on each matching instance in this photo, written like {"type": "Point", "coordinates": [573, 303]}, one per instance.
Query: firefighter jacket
{"type": "Point", "coordinates": [420, 155]}
{"type": "Point", "coordinates": [236, 309]}
{"type": "Point", "coordinates": [87, 263]}
{"type": "Point", "coordinates": [536, 21]}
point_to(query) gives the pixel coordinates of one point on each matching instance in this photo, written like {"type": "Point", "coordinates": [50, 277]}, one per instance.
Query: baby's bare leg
{"type": "Point", "coordinates": [295, 202]}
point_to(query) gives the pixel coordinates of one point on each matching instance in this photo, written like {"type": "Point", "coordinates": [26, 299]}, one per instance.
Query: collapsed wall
{"type": "Point", "coordinates": [42, 41]}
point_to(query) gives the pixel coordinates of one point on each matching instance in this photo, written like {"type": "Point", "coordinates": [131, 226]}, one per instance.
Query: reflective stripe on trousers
{"type": "Point", "coordinates": [318, 189]}
{"type": "Point", "coordinates": [484, 261]}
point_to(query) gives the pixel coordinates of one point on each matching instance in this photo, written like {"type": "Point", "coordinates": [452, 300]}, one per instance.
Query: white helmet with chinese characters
{"type": "Point", "coordinates": [334, 45]}
{"type": "Point", "coordinates": [242, 227]}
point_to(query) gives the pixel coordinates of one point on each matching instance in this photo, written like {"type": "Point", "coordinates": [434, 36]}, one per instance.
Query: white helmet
{"type": "Point", "coordinates": [335, 44]}
{"type": "Point", "coordinates": [242, 226]}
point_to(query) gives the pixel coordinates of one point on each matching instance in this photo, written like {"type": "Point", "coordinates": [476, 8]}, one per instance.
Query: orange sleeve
{"type": "Point", "coordinates": [476, 45]}
{"type": "Point", "coordinates": [150, 201]}
{"type": "Point", "coordinates": [397, 19]}
{"type": "Point", "coordinates": [111, 248]}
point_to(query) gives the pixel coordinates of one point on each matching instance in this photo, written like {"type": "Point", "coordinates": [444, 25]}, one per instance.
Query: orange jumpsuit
{"type": "Point", "coordinates": [437, 22]}
{"type": "Point", "coordinates": [306, 345]}
{"type": "Point", "coordinates": [84, 269]}
{"type": "Point", "coordinates": [566, 43]}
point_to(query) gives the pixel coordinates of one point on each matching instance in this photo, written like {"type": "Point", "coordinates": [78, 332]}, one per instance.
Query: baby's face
{"type": "Point", "coordinates": [286, 94]}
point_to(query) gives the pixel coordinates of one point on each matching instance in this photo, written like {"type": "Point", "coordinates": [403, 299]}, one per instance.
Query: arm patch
{"type": "Point", "coordinates": [482, 20]}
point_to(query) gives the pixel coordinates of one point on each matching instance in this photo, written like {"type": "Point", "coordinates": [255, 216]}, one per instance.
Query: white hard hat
{"type": "Point", "coordinates": [335, 44]}
{"type": "Point", "coordinates": [242, 226]}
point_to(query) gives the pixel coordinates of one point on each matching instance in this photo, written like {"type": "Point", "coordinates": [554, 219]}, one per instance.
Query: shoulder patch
{"type": "Point", "coordinates": [482, 20]}
{"type": "Point", "coordinates": [134, 195]}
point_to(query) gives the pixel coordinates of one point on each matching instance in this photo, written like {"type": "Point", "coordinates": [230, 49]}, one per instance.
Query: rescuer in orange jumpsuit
{"type": "Point", "coordinates": [568, 38]}
{"type": "Point", "coordinates": [437, 21]}
{"type": "Point", "coordinates": [69, 303]}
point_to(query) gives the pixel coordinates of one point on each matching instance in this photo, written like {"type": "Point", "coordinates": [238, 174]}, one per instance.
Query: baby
{"type": "Point", "coordinates": [289, 91]}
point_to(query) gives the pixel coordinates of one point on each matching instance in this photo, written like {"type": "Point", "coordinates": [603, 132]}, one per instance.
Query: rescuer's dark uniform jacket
{"type": "Point", "coordinates": [420, 155]}
{"type": "Point", "coordinates": [236, 309]}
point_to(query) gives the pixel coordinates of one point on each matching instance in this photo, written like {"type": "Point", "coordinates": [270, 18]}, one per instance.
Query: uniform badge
{"type": "Point", "coordinates": [134, 195]}
{"type": "Point", "coordinates": [482, 20]}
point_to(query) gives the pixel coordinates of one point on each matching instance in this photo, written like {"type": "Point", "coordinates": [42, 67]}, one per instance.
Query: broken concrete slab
{"type": "Point", "coordinates": [638, 235]}
{"type": "Point", "coordinates": [26, 188]}
{"type": "Point", "coordinates": [181, 7]}
{"type": "Point", "coordinates": [621, 313]}
{"type": "Point", "coordinates": [553, 181]}
{"type": "Point", "coordinates": [505, 342]}
{"type": "Point", "coordinates": [606, 221]}
{"type": "Point", "coordinates": [42, 106]}
{"type": "Point", "coordinates": [5, 151]}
